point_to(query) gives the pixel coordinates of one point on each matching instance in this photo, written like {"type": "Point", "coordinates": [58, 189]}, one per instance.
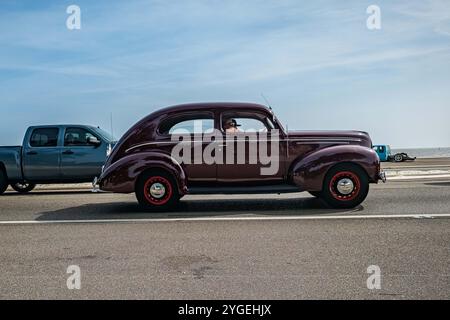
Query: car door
{"type": "Point", "coordinates": [80, 160]}
{"type": "Point", "coordinates": [185, 132]}
{"type": "Point", "coordinates": [42, 155]}
{"type": "Point", "coordinates": [245, 162]}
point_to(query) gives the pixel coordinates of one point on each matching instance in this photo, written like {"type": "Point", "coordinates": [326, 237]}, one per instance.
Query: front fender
{"type": "Point", "coordinates": [309, 173]}
{"type": "Point", "coordinates": [121, 176]}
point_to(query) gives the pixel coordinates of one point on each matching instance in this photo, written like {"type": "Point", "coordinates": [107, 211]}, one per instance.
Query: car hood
{"type": "Point", "coordinates": [350, 136]}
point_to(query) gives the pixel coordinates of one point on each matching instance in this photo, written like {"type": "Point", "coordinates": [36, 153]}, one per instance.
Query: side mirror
{"type": "Point", "coordinates": [94, 141]}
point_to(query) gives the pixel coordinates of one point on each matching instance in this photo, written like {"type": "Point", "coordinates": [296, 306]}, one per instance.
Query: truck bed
{"type": "Point", "coordinates": [10, 160]}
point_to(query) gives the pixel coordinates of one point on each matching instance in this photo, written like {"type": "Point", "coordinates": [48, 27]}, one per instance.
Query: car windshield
{"type": "Point", "coordinates": [105, 135]}
{"type": "Point", "coordinates": [275, 119]}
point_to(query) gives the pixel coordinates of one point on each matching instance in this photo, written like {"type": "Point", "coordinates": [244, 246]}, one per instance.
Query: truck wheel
{"type": "Point", "coordinates": [3, 182]}
{"type": "Point", "coordinates": [23, 187]}
{"type": "Point", "coordinates": [157, 191]}
{"type": "Point", "coordinates": [398, 157]}
{"type": "Point", "coordinates": [345, 186]}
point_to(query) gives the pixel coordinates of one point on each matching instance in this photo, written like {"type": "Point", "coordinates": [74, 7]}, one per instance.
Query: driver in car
{"type": "Point", "coordinates": [231, 126]}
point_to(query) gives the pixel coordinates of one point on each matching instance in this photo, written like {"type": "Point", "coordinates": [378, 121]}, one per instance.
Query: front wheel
{"type": "Point", "coordinates": [157, 191]}
{"type": "Point", "coordinates": [3, 182]}
{"type": "Point", "coordinates": [345, 186]}
{"type": "Point", "coordinates": [23, 187]}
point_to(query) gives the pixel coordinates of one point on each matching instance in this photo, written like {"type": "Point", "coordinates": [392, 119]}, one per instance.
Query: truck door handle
{"type": "Point", "coordinates": [68, 152]}
{"type": "Point", "coordinates": [31, 153]}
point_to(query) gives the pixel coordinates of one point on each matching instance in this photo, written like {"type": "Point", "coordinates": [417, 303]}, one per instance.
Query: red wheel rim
{"type": "Point", "coordinates": [163, 197]}
{"type": "Point", "coordinates": [340, 176]}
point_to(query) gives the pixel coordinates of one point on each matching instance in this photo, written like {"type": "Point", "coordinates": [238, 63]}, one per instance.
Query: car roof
{"type": "Point", "coordinates": [212, 105]}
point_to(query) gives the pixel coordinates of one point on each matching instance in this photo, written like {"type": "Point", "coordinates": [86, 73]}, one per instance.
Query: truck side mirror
{"type": "Point", "coordinates": [94, 141]}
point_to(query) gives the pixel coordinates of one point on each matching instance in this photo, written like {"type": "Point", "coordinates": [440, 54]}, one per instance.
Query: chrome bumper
{"type": "Point", "coordinates": [382, 176]}
{"type": "Point", "coordinates": [95, 186]}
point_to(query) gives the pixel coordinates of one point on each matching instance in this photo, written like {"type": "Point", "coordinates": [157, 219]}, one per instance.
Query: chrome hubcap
{"type": "Point", "coordinates": [157, 190]}
{"type": "Point", "coordinates": [345, 186]}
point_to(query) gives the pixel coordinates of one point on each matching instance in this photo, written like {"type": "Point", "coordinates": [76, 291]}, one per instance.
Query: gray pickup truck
{"type": "Point", "coordinates": [54, 154]}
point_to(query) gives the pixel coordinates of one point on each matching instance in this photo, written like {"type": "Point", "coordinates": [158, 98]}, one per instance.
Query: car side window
{"type": "Point", "coordinates": [44, 137]}
{"type": "Point", "coordinates": [77, 137]}
{"type": "Point", "coordinates": [242, 124]}
{"type": "Point", "coordinates": [187, 124]}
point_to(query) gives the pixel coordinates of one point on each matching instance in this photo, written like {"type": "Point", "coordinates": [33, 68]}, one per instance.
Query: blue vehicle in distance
{"type": "Point", "coordinates": [385, 154]}
{"type": "Point", "coordinates": [54, 154]}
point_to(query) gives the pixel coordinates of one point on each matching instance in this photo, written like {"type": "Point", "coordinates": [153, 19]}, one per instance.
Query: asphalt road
{"type": "Point", "coordinates": [227, 247]}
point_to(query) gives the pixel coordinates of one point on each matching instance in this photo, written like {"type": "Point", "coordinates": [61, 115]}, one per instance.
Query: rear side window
{"type": "Point", "coordinates": [44, 137]}
{"type": "Point", "coordinates": [189, 123]}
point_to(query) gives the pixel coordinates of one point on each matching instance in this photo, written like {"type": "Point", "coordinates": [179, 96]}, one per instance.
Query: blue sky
{"type": "Point", "coordinates": [316, 62]}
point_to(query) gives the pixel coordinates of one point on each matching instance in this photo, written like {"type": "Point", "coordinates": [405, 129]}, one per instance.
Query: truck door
{"type": "Point", "coordinates": [80, 160]}
{"type": "Point", "coordinates": [41, 155]}
{"type": "Point", "coordinates": [382, 153]}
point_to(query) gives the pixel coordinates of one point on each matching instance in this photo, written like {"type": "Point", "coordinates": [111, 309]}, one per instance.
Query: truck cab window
{"type": "Point", "coordinates": [76, 137]}
{"type": "Point", "coordinates": [44, 137]}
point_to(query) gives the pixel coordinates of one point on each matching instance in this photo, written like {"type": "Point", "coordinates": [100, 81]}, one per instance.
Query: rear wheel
{"type": "Point", "coordinates": [3, 181]}
{"type": "Point", "coordinates": [23, 187]}
{"type": "Point", "coordinates": [398, 157]}
{"type": "Point", "coordinates": [345, 186]}
{"type": "Point", "coordinates": [157, 191]}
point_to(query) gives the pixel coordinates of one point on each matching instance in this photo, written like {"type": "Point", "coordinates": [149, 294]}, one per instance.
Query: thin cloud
{"type": "Point", "coordinates": [133, 54]}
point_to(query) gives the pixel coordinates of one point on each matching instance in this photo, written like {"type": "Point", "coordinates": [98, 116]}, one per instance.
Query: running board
{"type": "Point", "coordinates": [279, 188]}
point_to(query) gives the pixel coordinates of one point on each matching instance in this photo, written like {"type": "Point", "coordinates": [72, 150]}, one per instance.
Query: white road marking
{"type": "Point", "coordinates": [246, 218]}
{"type": "Point", "coordinates": [415, 167]}
{"type": "Point", "coordinates": [417, 172]}
{"type": "Point", "coordinates": [406, 177]}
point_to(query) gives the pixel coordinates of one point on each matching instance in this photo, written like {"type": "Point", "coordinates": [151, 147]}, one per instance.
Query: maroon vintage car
{"type": "Point", "coordinates": [237, 148]}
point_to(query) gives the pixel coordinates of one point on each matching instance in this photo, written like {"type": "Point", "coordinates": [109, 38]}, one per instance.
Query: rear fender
{"type": "Point", "coordinates": [309, 173]}
{"type": "Point", "coordinates": [121, 176]}
{"type": "Point", "coordinates": [10, 164]}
